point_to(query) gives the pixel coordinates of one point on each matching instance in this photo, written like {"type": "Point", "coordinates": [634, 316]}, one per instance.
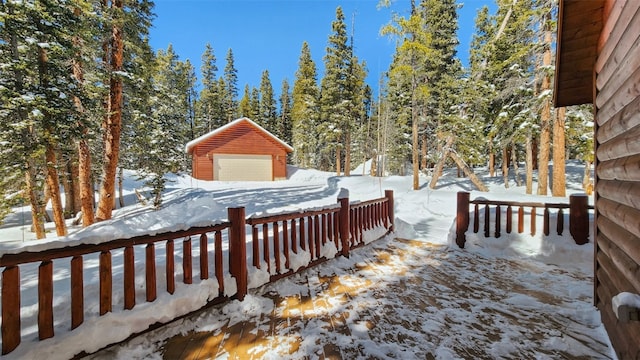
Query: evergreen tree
{"type": "Point", "coordinates": [267, 113]}
{"type": "Point", "coordinates": [305, 110]}
{"type": "Point", "coordinates": [231, 88]}
{"type": "Point", "coordinates": [284, 123]}
{"type": "Point", "coordinates": [161, 137]}
{"type": "Point", "coordinates": [408, 74]}
{"type": "Point", "coordinates": [336, 99]}
{"type": "Point", "coordinates": [254, 103]}
{"type": "Point", "coordinates": [245, 103]}
{"type": "Point", "coordinates": [39, 93]}
{"type": "Point", "coordinates": [502, 59]}
{"type": "Point", "coordinates": [210, 108]}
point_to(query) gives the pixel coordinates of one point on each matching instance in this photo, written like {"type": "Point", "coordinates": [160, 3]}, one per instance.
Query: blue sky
{"type": "Point", "coordinates": [268, 34]}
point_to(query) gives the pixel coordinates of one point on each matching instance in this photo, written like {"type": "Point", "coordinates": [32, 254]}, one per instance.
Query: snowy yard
{"type": "Point", "coordinates": [489, 293]}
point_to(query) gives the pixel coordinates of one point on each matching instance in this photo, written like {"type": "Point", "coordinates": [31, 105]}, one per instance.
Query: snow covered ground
{"type": "Point", "coordinates": [424, 215]}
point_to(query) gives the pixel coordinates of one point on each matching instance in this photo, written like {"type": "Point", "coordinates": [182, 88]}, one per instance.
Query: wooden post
{"type": "Point", "coordinates": [77, 292]}
{"type": "Point", "coordinates": [303, 245]}
{"type": "Point", "coordinates": [487, 220]}
{"type": "Point", "coordinates": [204, 257]}
{"type": "Point", "coordinates": [45, 300]}
{"type": "Point", "coordinates": [560, 223]}
{"type": "Point", "coordinates": [579, 218]}
{"type": "Point", "coordinates": [545, 222]}
{"type": "Point", "coordinates": [187, 261]}
{"type": "Point", "coordinates": [476, 218]}
{"type": "Point", "coordinates": [294, 237]}
{"type": "Point", "coordinates": [10, 309]}
{"type": "Point", "coordinates": [238, 250]}
{"type": "Point", "coordinates": [217, 258]}
{"type": "Point", "coordinates": [255, 244]}
{"type": "Point", "coordinates": [462, 218]}
{"type": "Point", "coordinates": [520, 220]}
{"type": "Point", "coordinates": [170, 267]}
{"type": "Point", "coordinates": [498, 218]}
{"type": "Point", "coordinates": [389, 195]}
{"type": "Point", "coordinates": [344, 225]}
{"type": "Point", "coordinates": [533, 221]}
{"type": "Point", "coordinates": [129, 279]}
{"type": "Point", "coordinates": [276, 245]}
{"type": "Point", "coordinates": [265, 246]}
{"type": "Point", "coordinates": [509, 219]}
{"type": "Point", "coordinates": [105, 282]}
{"type": "Point", "coordinates": [150, 271]}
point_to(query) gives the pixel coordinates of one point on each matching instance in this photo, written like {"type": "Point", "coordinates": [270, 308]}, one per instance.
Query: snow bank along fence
{"type": "Point", "coordinates": [578, 216]}
{"type": "Point", "coordinates": [344, 225]}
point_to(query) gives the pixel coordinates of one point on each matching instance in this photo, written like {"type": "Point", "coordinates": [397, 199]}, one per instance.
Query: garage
{"type": "Point", "coordinates": [239, 151]}
{"type": "Point", "coordinates": [238, 167]}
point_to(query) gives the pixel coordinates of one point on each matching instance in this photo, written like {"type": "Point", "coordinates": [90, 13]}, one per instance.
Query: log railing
{"type": "Point", "coordinates": [341, 225]}
{"type": "Point", "coordinates": [578, 208]}
{"type": "Point", "coordinates": [277, 239]}
{"type": "Point", "coordinates": [11, 263]}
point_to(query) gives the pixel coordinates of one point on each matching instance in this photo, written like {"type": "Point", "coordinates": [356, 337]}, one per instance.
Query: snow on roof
{"type": "Point", "coordinates": [210, 134]}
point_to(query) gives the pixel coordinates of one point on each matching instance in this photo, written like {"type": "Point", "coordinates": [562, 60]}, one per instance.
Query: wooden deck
{"type": "Point", "coordinates": [397, 299]}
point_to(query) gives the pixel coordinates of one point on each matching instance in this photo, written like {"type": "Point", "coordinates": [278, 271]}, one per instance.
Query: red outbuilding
{"type": "Point", "coordinates": [239, 151]}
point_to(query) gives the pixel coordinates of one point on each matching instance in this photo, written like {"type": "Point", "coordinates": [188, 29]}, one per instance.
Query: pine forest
{"type": "Point", "coordinates": [84, 96]}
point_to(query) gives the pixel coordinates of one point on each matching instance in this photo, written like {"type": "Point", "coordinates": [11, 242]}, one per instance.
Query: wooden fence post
{"type": "Point", "coordinates": [344, 225]}
{"type": "Point", "coordinates": [462, 218]}
{"type": "Point", "coordinates": [389, 195]}
{"type": "Point", "coordinates": [579, 218]}
{"type": "Point", "coordinates": [238, 250]}
{"type": "Point", "coordinates": [10, 309]}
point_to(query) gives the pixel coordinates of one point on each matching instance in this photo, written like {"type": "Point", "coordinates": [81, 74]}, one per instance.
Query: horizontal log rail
{"type": "Point", "coordinates": [578, 217]}
{"type": "Point", "coordinates": [341, 226]}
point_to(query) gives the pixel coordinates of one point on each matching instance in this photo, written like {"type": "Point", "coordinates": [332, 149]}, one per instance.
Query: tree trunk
{"type": "Point", "coordinates": [505, 167]}
{"type": "Point", "coordinates": [81, 171]}
{"type": "Point", "coordinates": [423, 152]}
{"type": "Point", "coordinates": [32, 187]}
{"type": "Point", "coordinates": [347, 154]}
{"type": "Point", "coordinates": [529, 165]}
{"type": "Point", "coordinates": [559, 179]}
{"type": "Point", "coordinates": [51, 175]}
{"type": "Point", "coordinates": [414, 135]}
{"type": "Point", "coordinates": [120, 189]}
{"type": "Point", "coordinates": [338, 159]}
{"type": "Point", "coordinates": [54, 191]}
{"type": "Point", "coordinates": [74, 173]}
{"type": "Point", "coordinates": [586, 177]}
{"type": "Point", "coordinates": [534, 147]}
{"type": "Point", "coordinates": [467, 171]}
{"type": "Point", "coordinates": [439, 167]}
{"type": "Point", "coordinates": [35, 200]}
{"type": "Point", "coordinates": [67, 187]}
{"type": "Point", "coordinates": [85, 182]}
{"type": "Point", "coordinates": [516, 168]}
{"type": "Point", "coordinates": [113, 122]}
{"type": "Point", "coordinates": [492, 159]}
{"type": "Point", "coordinates": [545, 122]}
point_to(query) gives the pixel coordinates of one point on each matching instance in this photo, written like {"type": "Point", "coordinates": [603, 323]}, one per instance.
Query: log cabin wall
{"type": "Point", "coordinates": [617, 190]}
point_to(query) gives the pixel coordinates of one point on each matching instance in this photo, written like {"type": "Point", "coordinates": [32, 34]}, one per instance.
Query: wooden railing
{"type": "Point", "coordinates": [312, 230]}
{"type": "Point", "coordinates": [578, 217]}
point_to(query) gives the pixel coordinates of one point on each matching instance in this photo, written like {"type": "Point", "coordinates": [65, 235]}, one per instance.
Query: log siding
{"type": "Point", "coordinates": [617, 190]}
{"type": "Point", "coordinates": [615, 93]}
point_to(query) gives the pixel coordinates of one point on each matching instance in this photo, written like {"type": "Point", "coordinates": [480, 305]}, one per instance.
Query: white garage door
{"type": "Point", "coordinates": [235, 167]}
